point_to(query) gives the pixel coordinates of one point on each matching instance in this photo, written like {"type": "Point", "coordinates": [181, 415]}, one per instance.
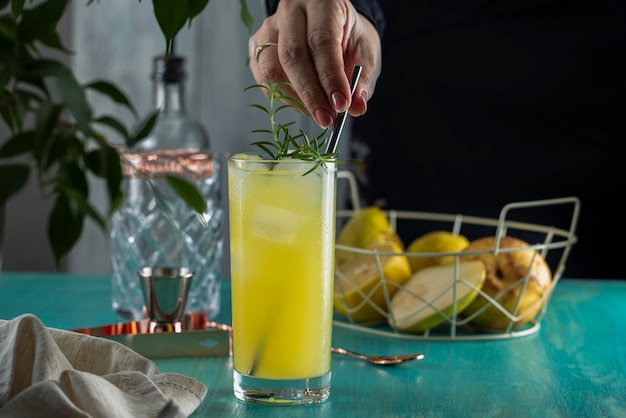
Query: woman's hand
{"type": "Point", "coordinates": [314, 45]}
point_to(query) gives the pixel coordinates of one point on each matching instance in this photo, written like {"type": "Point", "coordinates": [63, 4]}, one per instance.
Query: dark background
{"type": "Point", "coordinates": [483, 103]}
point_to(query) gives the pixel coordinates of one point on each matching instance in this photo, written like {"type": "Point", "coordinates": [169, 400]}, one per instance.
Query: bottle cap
{"type": "Point", "coordinates": [168, 69]}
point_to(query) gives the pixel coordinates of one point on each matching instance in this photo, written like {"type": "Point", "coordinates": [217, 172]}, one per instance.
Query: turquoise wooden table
{"type": "Point", "coordinates": [574, 366]}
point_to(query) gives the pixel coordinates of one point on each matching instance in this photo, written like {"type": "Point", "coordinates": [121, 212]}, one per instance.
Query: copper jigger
{"type": "Point", "coordinates": [165, 291]}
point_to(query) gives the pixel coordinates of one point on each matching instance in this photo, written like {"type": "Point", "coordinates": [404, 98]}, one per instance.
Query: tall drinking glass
{"type": "Point", "coordinates": [282, 235]}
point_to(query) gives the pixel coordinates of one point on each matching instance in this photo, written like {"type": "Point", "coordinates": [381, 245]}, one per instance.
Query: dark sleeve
{"type": "Point", "coordinates": [369, 8]}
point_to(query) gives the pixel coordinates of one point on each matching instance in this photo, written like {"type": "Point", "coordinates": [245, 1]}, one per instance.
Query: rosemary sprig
{"type": "Point", "coordinates": [284, 144]}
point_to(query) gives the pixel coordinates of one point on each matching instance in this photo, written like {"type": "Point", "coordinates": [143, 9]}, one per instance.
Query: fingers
{"type": "Point", "coordinates": [311, 56]}
{"type": "Point", "coordinates": [367, 49]}
{"type": "Point", "coordinates": [264, 63]}
{"type": "Point", "coordinates": [318, 45]}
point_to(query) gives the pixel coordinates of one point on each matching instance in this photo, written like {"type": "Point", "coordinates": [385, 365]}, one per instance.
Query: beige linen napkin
{"type": "Point", "coordinates": [46, 372]}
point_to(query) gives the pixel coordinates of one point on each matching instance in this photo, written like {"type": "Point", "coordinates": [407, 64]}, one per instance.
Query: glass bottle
{"type": "Point", "coordinates": [154, 227]}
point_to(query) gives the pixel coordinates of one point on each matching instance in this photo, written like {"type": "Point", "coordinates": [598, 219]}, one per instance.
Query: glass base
{"type": "Point", "coordinates": [281, 392]}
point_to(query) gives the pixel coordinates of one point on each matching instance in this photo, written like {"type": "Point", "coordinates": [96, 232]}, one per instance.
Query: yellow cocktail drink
{"type": "Point", "coordinates": [282, 233]}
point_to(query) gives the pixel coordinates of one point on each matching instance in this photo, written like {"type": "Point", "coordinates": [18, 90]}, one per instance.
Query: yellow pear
{"type": "Point", "coordinates": [518, 279]}
{"type": "Point", "coordinates": [360, 291]}
{"type": "Point", "coordinates": [435, 242]}
{"type": "Point", "coordinates": [361, 230]}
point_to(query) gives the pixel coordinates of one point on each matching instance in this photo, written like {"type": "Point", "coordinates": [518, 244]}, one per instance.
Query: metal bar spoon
{"type": "Point", "coordinates": [332, 147]}
{"type": "Point", "coordinates": [387, 360]}
{"type": "Point", "coordinates": [341, 118]}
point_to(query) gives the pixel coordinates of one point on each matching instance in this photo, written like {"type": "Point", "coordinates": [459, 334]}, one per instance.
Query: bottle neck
{"type": "Point", "coordinates": [169, 97]}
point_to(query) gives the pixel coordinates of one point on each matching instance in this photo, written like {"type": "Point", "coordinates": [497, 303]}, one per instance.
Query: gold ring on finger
{"type": "Point", "coordinates": [261, 47]}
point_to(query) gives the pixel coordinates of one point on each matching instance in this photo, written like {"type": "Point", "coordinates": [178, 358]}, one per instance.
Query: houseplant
{"type": "Point", "coordinates": [53, 133]}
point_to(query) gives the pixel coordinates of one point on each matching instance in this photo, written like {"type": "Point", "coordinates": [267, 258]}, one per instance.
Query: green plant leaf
{"type": "Point", "coordinates": [261, 108]}
{"type": "Point", "coordinates": [105, 163]}
{"type": "Point", "coordinates": [4, 3]}
{"type": "Point", "coordinates": [41, 20]}
{"type": "Point", "coordinates": [33, 90]}
{"type": "Point", "coordinates": [81, 201]}
{"type": "Point", "coordinates": [196, 7]}
{"type": "Point", "coordinates": [66, 219]}
{"type": "Point", "coordinates": [65, 225]}
{"type": "Point", "coordinates": [245, 16]}
{"type": "Point", "coordinates": [144, 129]}
{"type": "Point", "coordinates": [25, 97]}
{"type": "Point", "coordinates": [33, 72]}
{"type": "Point", "coordinates": [115, 203]}
{"type": "Point", "coordinates": [75, 99]}
{"type": "Point", "coordinates": [52, 39]}
{"type": "Point", "coordinates": [16, 7]}
{"type": "Point", "coordinates": [71, 176]}
{"type": "Point", "coordinates": [63, 146]}
{"type": "Point", "coordinates": [18, 173]}
{"type": "Point", "coordinates": [16, 106]}
{"type": "Point", "coordinates": [114, 124]}
{"type": "Point", "coordinates": [18, 144]}
{"type": "Point", "coordinates": [8, 29]}
{"type": "Point", "coordinates": [10, 117]}
{"type": "Point", "coordinates": [113, 92]}
{"type": "Point", "coordinates": [73, 94]}
{"type": "Point", "coordinates": [188, 192]}
{"type": "Point", "coordinates": [171, 16]}
{"type": "Point", "coordinates": [46, 119]}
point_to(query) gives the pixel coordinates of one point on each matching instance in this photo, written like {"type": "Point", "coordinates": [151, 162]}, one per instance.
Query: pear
{"type": "Point", "coordinates": [428, 297]}
{"type": "Point", "coordinates": [366, 226]}
{"type": "Point", "coordinates": [435, 242]}
{"type": "Point", "coordinates": [518, 278]}
{"type": "Point", "coordinates": [361, 292]}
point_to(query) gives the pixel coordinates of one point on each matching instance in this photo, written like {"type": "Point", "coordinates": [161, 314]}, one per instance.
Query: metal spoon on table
{"type": "Point", "coordinates": [388, 360]}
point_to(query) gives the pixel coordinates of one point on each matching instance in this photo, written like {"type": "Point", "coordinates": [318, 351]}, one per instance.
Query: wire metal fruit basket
{"type": "Point", "coordinates": [545, 244]}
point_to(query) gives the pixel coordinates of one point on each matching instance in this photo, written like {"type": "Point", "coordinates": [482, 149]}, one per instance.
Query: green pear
{"type": "Point", "coordinates": [428, 297]}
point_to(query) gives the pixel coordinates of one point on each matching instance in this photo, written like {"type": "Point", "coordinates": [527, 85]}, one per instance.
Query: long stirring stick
{"type": "Point", "coordinates": [341, 119]}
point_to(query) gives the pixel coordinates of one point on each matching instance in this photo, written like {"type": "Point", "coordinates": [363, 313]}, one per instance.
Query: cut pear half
{"type": "Point", "coordinates": [359, 288]}
{"type": "Point", "coordinates": [428, 296]}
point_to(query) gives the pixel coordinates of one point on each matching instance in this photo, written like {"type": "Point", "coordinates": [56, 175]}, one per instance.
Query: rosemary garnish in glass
{"type": "Point", "coordinates": [284, 144]}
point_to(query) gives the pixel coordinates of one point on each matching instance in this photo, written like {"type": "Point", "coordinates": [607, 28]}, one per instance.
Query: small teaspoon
{"type": "Point", "coordinates": [388, 360]}
{"type": "Point", "coordinates": [380, 360]}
